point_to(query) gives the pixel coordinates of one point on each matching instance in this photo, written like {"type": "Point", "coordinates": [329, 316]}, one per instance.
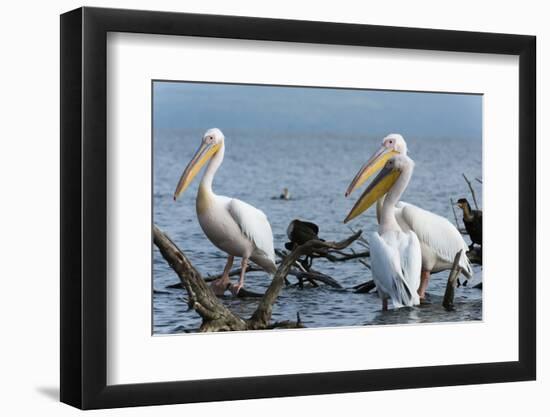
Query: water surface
{"type": "Point", "coordinates": [316, 166]}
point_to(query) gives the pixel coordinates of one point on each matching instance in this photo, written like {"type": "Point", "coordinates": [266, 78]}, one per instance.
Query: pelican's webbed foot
{"type": "Point", "coordinates": [235, 288]}
{"type": "Point", "coordinates": [220, 286]}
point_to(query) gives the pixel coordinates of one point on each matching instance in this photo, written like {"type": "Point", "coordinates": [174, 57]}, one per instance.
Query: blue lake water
{"type": "Point", "coordinates": [316, 167]}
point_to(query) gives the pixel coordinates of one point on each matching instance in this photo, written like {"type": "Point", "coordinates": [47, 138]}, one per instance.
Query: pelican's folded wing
{"type": "Point", "coordinates": [436, 232]}
{"type": "Point", "coordinates": [387, 272]}
{"type": "Point", "coordinates": [254, 225]}
{"type": "Point", "coordinates": [411, 265]}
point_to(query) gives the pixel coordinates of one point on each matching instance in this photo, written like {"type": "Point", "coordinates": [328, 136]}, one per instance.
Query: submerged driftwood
{"type": "Point", "coordinates": [215, 316]}
{"type": "Point", "coordinates": [365, 287]}
{"type": "Point", "coordinates": [302, 270]}
{"type": "Point", "coordinates": [448, 298]}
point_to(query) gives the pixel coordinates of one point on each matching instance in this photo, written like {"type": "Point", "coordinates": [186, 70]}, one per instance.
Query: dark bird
{"type": "Point", "coordinates": [473, 221]}
{"type": "Point", "coordinates": [300, 232]}
{"type": "Point", "coordinates": [285, 194]}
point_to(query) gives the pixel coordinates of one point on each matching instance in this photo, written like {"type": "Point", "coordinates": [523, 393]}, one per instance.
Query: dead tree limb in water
{"type": "Point", "coordinates": [471, 190]}
{"type": "Point", "coordinates": [311, 274]}
{"type": "Point", "coordinates": [448, 298]}
{"type": "Point", "coordinates": [365, 287]}
{"type": "Point", "coordinates": [215, 316]}
{"type": "Point", "coordinates": [343, 256]}
{"type": "Point", "coordinates": [262, 315]}
{"type": "Point", "coordinates": [454, 212]}
{"type": "Point", "coordinates": [234, 272]}
{"type": "Point", "coordinates": [210, 278]}
{"type": "Point", "coordinates": [301, 274]}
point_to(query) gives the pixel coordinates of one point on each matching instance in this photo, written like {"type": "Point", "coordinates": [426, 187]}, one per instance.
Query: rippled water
{"type": "Point", "coordinates": [317, 169]}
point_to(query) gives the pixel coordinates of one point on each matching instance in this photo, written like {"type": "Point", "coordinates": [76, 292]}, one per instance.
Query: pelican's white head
{"type": "Point", "coordinates": [396, 142]}
{"type": "Point", "coordinates": [383, 183]}
{"type": "Point", "coordinates": [393, 144]}
{"type": "Point", "coordinates": [213, 136]}
{"type": "Point", "coordinates": [212, 141]}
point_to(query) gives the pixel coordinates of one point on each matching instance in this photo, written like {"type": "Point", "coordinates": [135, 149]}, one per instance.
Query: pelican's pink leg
{"type": "Point", "coordinates": [424, 281]}
{"type": "Point", "coordinates": [236, 288]}
{"type": "Point", "coordinates": [384, 304]}
{"type": "Point", "coordinates": [220, 285]}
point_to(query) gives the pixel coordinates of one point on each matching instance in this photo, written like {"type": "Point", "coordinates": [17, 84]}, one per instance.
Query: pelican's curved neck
{"type": "Point", "coordinates": [387, 221]}
{"type": "Point", "coordinates": [205, 196]}
{"type": "Point", "coordinates": [213, 165]}
{"type": "Point", "coordinates": [379, 204]}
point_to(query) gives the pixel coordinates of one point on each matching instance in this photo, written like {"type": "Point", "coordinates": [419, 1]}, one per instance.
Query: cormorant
{"type": "Point", "coordinates": [473, 221]}
{"type": "Point", "coordinates": [300, 232]}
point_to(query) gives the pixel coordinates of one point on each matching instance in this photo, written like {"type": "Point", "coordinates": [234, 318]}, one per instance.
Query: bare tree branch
{"type": "Point", "coordinates": [262, 315]}
{"type": "Point", "coordinates": [365, 287]}
{"type": "Point", "coordinates": [448, 298]}
{"type": "Point", "coordinates": [234, 272]}
{"type": "Point", "coordinates": [471, 190]}
{"type": "Point", "coordinates": [344, 256]}
{"type": "Point", "coordinates": [217, 317]}
{"type": "Point", "coordinates": [454, 212]}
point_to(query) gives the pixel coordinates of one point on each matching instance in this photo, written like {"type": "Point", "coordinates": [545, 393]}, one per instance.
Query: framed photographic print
{"type": "Point", "coordinates": [258, 207]}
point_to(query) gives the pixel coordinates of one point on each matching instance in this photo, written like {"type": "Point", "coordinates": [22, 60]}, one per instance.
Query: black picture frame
{"type": "Point", "coordinates": [84, 207]}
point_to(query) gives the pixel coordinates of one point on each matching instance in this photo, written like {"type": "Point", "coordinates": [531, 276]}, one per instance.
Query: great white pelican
{"type": "Point", "coordinates": [396, 257]}
{"type": "Point", "coordinates": [235, 227]}
{"type": "Point", "coordinates": [439, 239]}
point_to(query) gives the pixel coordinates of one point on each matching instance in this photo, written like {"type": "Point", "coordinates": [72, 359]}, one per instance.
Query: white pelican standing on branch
{"type": "Point", "coordinates": [232, 225]}
{"type": "Point", "coordinates": [439, 240]}
{"type": "Point", "coordinates": [396, 258]}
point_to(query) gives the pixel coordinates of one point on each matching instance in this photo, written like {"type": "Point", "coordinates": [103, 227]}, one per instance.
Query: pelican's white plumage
{"type": "Point", "coordinates": [255, 227]}
{"type": "Point", "coordinates": [232, 225]}
{"type": "Point", "coordinates": [439, 239]}
{"type": "Point", "coordinates": [396, 263]}
{"type": "Point", "coordinates": [396, 258]}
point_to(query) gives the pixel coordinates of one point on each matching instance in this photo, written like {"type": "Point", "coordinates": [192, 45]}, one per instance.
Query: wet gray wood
{"type": "Point", "coordinates": [448, 298]}
{"type": "Point", "coordinates": [215, 316]}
